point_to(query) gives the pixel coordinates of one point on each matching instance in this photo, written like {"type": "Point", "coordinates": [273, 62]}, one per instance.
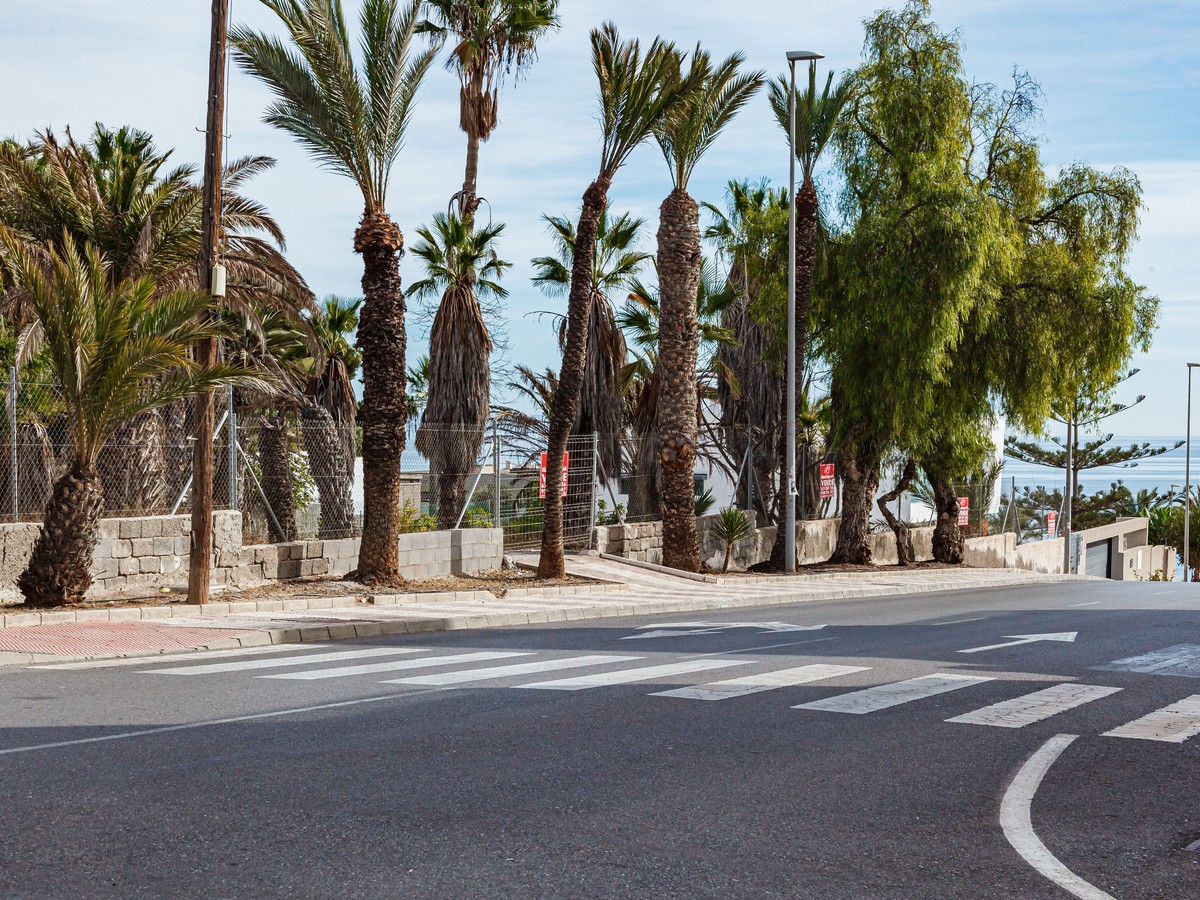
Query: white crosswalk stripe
{"type": "Point", "coordinates": [1172, 724]}
{"type": "Point", "coordinates": [158, 660]}
{"type": "Point", "coordinates": [441, 679]}
{"type": "Point", "coordinates": [888, 695]}
{"type": "Point", "coordinates": [1022, 711]}
{"type": "Point", "coordinates": [308, 660]}
{"type": "Point", "coordinates": [425, 662]}
{"type": "Point", "coordinates": [629, 676]}
{"type": "Point", "coordinates": [763, 681]}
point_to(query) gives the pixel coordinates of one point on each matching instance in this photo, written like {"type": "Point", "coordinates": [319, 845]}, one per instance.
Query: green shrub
{"type": "Point", "coordinates": [730, 526]}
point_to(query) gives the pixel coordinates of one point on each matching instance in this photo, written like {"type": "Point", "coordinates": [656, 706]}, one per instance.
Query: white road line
{"type": "Point", "coordinates": [1017, 822]}
{"type": "Point", "coordinates": [961, 621]}
{"type": "Point", "coordinates": [629, 676]}
{"type": "Point", "coordinates": [1022, 711]}
{"type": "Point", "coordinates": [442, 679]}
{"type": "Point", "coordinates": [191, 726]}
{"type": "Point", "coordinates": [159, 659]}
{"type": "Point", "coordinates": [1172, 724]}
{"type": "Point", "coordinates": [309, 660]}
{"type": "Point", "coordinates": [394, 666]}
{"type": "Point", "coordinates": [764, 681]}
{"type": "Point", "coordinates": [888, 695]}
{"type": "Point", "coordinates": [1092, 603]}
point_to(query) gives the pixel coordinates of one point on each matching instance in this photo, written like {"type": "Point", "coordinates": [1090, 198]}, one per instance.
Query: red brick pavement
{"type": "Point", "coordinates": [109, 638]}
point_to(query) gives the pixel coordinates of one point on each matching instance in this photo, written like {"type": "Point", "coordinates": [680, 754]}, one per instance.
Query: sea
{"type": "Point", "coordinates": [1156, 473]}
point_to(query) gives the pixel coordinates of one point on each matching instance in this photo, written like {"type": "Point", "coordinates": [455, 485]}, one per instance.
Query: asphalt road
{"type": "Point", "coordinates": [223, 780]}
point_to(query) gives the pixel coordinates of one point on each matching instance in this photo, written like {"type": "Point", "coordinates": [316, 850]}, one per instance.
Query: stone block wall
{"type": "Point", "coordinates": [151, 552]}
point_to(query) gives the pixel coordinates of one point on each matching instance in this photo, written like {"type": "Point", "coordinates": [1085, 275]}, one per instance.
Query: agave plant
{"type": "Point", "coordinates": [731, 526]}
{"type": "Point", "coordinates": [117, 351]}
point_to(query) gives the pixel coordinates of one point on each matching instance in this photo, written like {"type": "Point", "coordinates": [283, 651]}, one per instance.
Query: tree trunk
{"type": "Point", "coordinates": [949, 545]}
{"type": "Point", "coordinates": [468, 200]}
{"type": "Point", "coordinates": [381, 338]}
{"type": "Point", "coordinates": [564, 406]}
{"type": "Point", "coordinates": [860, 481]}
{"type": "Point", "coordinates": [678, 347]}
{"type": "Point", "coordinates": [905, 554]}
{"type": "Point", "coordinates": [332, 469]}
{"type": "Point", "coordinates": [274, 461]}
{"type": "Point", "coordinates": [806, 239]}
{"type": "Point", "coordinates": [60, 568]}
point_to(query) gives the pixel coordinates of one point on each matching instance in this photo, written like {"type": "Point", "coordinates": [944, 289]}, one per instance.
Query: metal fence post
{"type": "Point", "coordinates": [592, 492]}
{"type": "Point", "coordinates": [749, 468]}
{"type": "Point", "coordinates": [496, 472]}
{"type": "Point", "coordinates": [233, 459]}
{"type": "Point", "coordinates": [12, 440]}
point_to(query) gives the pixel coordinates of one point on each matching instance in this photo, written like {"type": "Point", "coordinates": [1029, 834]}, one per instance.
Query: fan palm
{"type": "Point", "coordinates": [491, 38]}
{"type": "Point", "coordinates": [526, 429]}
{"type": "Point", "coordinates": [118, 351]}
{"type": "Point", "coordinates": [636, 91]}
{"type": "Point", "coordinates": [615, 261]}
{"type": "Point", "coordinates": [460, 265]}
{"type": "Point", "coordinates": [717, 94]}
{"type": "Point", "coordinates": [816, 117]}
{"type": "Point", "coordinates": [354, 123]}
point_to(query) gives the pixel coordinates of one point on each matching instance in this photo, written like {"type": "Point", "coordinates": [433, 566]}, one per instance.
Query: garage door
{"type": "Point", "coordinates": [1098, 559]}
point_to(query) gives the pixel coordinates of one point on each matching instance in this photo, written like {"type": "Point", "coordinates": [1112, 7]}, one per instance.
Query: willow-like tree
{"type": "Point", "coordinates": [616, 261]}
{"type": "Point", "coordinates": [717, 94]}
{"type": "Point", "coordinates": [817, 115]}
{"type": "Point", "coordinates": [117, 350]}
{"type": "Point", "coordinates": [353, 120]}
{"type": "Point", "coordinates": [920, 236]}
{"type": "Point", "coordinates": [460, 265]}
{"type": "Point", "coordinates": [636, 91]}
{"type": "Point", "coordinates": [489, 39]}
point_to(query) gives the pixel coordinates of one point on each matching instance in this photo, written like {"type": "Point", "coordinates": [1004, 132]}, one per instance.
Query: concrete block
{"type": "Point", "coordinates": [164, 546]}
{"type": "Point", "coordinates": [110, 529]}
{"type": "Point", "coordinates": [314, 549]}
{"type": "Point", "coordinates": [130, 528]}
{"type": "Point", "coordinates": [127, 566]}
{"type": "Point", "coordinates": [125, 615]}
{"type": "Point", "coordinates": [143, 546]}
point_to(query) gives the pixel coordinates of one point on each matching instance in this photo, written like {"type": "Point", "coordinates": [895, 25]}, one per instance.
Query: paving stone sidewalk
{"type": "Point", "coordinates": [636, 590]}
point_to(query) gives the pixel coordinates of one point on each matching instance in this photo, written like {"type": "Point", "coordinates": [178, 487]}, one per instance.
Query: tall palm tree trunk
{"type": "Point", "coordinates": [275, 464]}
{"type": "Point", "coordinates": [565, 405]}
{"type": "Point", "coordinates": [381, 338]}
{"type": "Point", "coordinates": [806, 239]}
{"type": "Point", "coordinates": [59, 570]}
{"type": "Point", "coordinates": [949, 545]}
{"type": "Point", "coordinates": [468, 202]}
{"type": "Point", "coordinates": [678, 346]}
{"type": "Point", "coordinates": [331, 461]}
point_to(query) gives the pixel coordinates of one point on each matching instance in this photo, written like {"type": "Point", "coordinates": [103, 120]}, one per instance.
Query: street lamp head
{"type": "Point", "coordinates": [1194, 365]}
{"type": "Point", "coordinates": [794, 56]}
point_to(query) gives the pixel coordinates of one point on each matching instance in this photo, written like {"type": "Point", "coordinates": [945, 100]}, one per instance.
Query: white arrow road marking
{"type": "Point", "coordinates": [1064, 636]}
{"type": "Point", "coordinates": [1017, 822]}
{"type": "Point", "coordinates": [680, 629]}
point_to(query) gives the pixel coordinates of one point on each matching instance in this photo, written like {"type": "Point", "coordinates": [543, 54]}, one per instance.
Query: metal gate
{"type": "Point", "coordinates": [1098, 559]}
{"type": "Point", "coordinates": [520, 507]}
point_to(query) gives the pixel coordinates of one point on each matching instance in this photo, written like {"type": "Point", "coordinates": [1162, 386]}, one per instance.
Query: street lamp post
{"type": "Point", "coordinates": [1187, 482]}
{"type": "Point", "coordinates": [789, 543]}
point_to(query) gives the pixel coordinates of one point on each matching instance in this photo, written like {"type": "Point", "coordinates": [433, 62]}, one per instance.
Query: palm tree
{"type": "Point", "coordinates": [117, 351]}
{"type": "Point", "coordinates": [492, 38]}
{"type": "Point", "coordinates": [641, 379]}
{"type": "Point", "coordinates": [460, 265]}
{"type": "Point", "coordinates": [116, 193]}
{"type": "Point", "coordinates": [749, 388]}
{"type": "Point", "coordinates": [716, 97]}
{"type": "Point", "coordinates": [354, 123]}
{"type": "Point", "coordinates": [816, 118]}
{"type": "Point", "coordinates": [615, 262]}
{"type": "Point", "coordinates": [636, 91]}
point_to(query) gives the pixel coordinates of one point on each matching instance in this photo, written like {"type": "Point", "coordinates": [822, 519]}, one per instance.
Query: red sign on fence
{"type": "Point", "coordinates": [964, 510]}
{"type": "Point", "coordinates": [827, 479]}
{"type": "Point", "coordinates": [542, 476]}
{"type": "Point", "coordinates": [1051, 524]}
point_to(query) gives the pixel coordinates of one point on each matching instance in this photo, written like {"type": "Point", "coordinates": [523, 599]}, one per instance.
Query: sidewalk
{"type": "Point", "coordinates": [634, 591]}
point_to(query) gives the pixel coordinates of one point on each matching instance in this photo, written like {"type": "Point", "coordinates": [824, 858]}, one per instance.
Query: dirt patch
{"type": "Point", "coordinates": [499, 583]}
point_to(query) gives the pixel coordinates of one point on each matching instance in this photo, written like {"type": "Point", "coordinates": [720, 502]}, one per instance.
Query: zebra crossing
{"type": "Point", "coordinates": [536, 670]}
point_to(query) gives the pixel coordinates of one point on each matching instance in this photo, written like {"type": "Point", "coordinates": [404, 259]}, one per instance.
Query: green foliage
{"type": "Point", "coordinates": [730, 526]}
{"type": "Point", "coordinates": [704, 502]}
{"type": "Point", "coordinates": [604, 517]}
{"type": "Point", "coordinates": [817, 115]}
{"type": "Point", "coordinates": [477, 517]}
{"type": "Point", "coordinates": [412, 520]}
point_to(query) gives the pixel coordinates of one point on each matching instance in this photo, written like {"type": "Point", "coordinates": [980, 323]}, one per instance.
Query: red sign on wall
{"type": "Point", "coordinates": [827, 481]}
{"type": "Point", "coordinates": [1051, 524]}
{"type": "Point", "coordinates": [964, 510]}
{"type": "Point", "coordinates": [542, 476]}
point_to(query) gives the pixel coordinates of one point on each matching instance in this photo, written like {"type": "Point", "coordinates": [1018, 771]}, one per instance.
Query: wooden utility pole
{"type": "Point", "coordinates": [200, 565]}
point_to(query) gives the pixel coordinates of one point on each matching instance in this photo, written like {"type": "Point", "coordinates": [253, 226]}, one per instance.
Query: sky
{"type": "Point", "coordinates": [1121, 84]}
